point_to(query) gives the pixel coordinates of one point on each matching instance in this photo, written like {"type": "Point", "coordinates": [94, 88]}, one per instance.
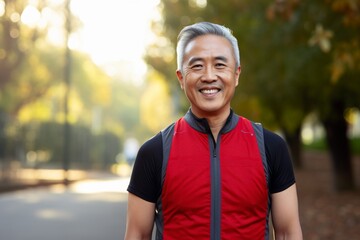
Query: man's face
{"type": "Point", "coordinates": [209, 75]}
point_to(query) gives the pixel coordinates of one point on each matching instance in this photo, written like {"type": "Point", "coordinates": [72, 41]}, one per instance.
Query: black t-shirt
{"type": "Point", "coordinates": [145, 180]}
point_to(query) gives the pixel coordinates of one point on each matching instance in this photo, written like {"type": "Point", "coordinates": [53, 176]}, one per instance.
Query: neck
{"type": "Point", "coordinates": [215, 121]}
{"type": "Point", "coordinates": [216, 125]}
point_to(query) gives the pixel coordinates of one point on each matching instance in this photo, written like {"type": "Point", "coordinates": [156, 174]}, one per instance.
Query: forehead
{"type": "Point", "coordinates": [209, 45]}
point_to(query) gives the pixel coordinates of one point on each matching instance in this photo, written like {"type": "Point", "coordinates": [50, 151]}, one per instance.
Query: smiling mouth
{"type": "Point", "coordinates": [210, 91]}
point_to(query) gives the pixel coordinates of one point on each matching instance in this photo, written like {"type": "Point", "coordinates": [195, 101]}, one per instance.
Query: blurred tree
{"type": "Point", "coordinates": [24, 46]}
{"type": "Point", "coordinates": [32, 79]}
{"type": "Point", "coordinates": [155, 104]}
{"type": "Point", "coordinates": [87, 78]}
{"type": "Point", "coordinates": [20, 42]}
{"type": "Point", "coordinates": [332, 29]}
{"type": "Point", "coordinates": [99, 107]}
{"type": "Point", "coordinates": [31, 74]}
{"type": "Point", "coordinates": [298, 57]}
{"type": "Point", "coordinates": [122, 114]}
{"type": "Point", "coordinates": [11, 55]}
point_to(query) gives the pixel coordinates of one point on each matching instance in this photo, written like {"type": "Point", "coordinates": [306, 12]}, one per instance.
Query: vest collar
{"type": "Point", "coordinates": [202, 125]}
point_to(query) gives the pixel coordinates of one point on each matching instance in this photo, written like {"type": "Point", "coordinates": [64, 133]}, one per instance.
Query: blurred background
{"type": "Point", "coordinates": [84, 83]}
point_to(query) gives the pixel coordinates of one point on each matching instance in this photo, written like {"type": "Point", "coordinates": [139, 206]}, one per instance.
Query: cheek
{"type": "Point", "coordinates": [230, 77]}
{"type": "Point", "coordinates": [190, 79]}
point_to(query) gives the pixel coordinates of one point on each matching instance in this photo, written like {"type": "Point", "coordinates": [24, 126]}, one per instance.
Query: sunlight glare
{"type": "Point", "coordinates": [98, 186]}
{"type": "Point", "coordinates": [2, 8]}
{"type": "Point", "coordinates": [30, 16]}
{"type": "Point", "coordinates": [114, 30]}
{"type": "Point", "coordinates": [54, 214]}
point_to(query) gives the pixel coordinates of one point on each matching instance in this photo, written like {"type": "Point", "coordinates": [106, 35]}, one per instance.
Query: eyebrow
{"type": "Point", "coordinates": [195, 59]}
{"type": "Point", "coordinates": [221, 58]}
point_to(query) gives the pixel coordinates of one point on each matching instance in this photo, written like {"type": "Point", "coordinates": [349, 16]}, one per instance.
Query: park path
{"type": "Point", "coordinates": [91, 209]}
{"type": "Point", "coordinates": [324, 213]}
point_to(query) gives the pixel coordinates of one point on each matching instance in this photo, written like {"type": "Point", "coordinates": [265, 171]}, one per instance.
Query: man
{"type": "Point", "coordinates": [212, 174]}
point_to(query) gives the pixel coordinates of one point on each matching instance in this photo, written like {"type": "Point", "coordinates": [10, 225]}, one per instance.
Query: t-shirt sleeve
{"type": "Point", "coordinates": [280, 163]}
{"type": "Point", "coordinates": [145, 181]}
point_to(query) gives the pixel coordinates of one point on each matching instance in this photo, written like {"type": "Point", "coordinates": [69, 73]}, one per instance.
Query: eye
{"type": "Point", "coordinates": [196, 66]}
{"type": "Point", "coordinates": [220, 65]}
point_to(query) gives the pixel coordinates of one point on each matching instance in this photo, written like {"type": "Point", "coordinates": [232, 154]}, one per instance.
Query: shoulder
{"type": "Point", "coordinates": [150, 151]}
{"type": "Point", "coordinates": [273, 140]}
{"type": "Point", "coordinates": [152, 144]}
{"type": "Point", "coordinates": [279, 161]}
{"type": "Point", "coordinates": [275, 145]}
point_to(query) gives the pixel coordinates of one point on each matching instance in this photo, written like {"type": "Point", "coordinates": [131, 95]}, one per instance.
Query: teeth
{"type": "Point", "coordinates": [209, 91]}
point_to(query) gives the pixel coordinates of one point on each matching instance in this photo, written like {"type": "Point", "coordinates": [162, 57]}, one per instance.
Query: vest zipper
{"type": "Point", "coordinates": [215, 190]}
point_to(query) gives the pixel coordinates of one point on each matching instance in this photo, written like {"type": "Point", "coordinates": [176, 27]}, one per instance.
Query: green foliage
{"type": "Point", "coordinates": [320, 145]}
{"type": "Point", "coordinates": [87, 150]}
{"type": "Point", "coordinates": [32, 91]}
{"type": "Point", "coordinates": [87, 78]}
{"type": "Point", "coordinates": [24, 63]}
{"type": "Point", "coordinates": [355, 145]}
{"type": "Point", "coordinates": [38, 73]}
{"type": "Point", "coordinates": [123, 107]}
{"type": "Point", "coordinates": [11, 55]}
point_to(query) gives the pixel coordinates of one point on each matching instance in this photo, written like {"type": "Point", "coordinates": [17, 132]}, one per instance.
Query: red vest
{"type": "Point", "coordinates": [214, 190]}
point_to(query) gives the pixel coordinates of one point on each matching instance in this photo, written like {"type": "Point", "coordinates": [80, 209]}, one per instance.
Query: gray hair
{"type": "Point", "coordinates": [188, 33]}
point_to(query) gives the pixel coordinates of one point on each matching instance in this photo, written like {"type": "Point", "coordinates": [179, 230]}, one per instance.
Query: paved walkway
{"type": "Point", "coordinates": [89, 209]}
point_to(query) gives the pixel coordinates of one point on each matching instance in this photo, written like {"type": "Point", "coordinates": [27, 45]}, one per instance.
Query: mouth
{"type": "Point", "coordinates": [209, 91]}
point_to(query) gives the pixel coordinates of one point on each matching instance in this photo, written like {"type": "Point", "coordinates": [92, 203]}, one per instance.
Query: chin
{"type": "Point", "coordinates": [211, 110]}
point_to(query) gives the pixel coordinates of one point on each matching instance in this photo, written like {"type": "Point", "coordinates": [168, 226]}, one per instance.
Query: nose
{"type": "Point", "coordinates": [209, 75]}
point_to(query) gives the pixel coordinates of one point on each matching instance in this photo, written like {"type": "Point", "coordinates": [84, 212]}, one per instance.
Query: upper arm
{"type": "Point", "coordinates": [144, 188]}
{"type": "Point", "coordinates": [279, 161]}
{"type": "Point", "coordinates": [140, 218]}
{"type": "Point", "coordinates": [285, 214]}
{"type": "Point", "coordinates": [145, 181]}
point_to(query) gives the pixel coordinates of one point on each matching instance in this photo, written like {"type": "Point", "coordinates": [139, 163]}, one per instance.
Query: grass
{"type": "Point", "coordinates": [321, 145]}
{"type": "Point", "coordinates": [355, 145]}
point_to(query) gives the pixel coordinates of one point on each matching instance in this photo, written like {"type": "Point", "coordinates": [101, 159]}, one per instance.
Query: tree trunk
{"type": "Point", "coordinates": [339, 146]}
{"type": "Point", "coordinates": [294, 142]}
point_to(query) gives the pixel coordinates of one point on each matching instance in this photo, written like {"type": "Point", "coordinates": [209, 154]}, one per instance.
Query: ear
{"type": "Point", "coordinates": [180, 78]}
{"type": "Point", "coordinates": [237, 75]}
